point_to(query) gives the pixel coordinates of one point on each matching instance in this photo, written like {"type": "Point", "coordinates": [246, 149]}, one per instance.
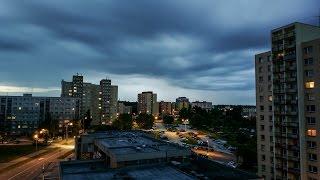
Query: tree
{"type": "Point", "coordinates": [87, 120]}
{"type": "Point", "coordinates": [145, 121]}
{"type": "Point", "coordinates": [123, 122]}
{"type": "Point", "coordinates": [168, 119]}
{"type": "Point", "coordinates": [184, 113]}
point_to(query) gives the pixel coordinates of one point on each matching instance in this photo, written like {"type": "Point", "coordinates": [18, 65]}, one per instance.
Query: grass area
{"type": "Point", "coordinates": [10, 152]}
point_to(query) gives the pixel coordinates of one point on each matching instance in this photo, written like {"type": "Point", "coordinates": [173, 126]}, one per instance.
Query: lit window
{"type": "Point", "coordinates": [312, 132]}
{"type": "Point", "coordinates": [310, 85]}
{"type": "Point", "coordinates": [270, 98]}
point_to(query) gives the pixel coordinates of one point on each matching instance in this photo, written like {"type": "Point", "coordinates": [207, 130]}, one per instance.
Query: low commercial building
{"type": "Point", "coordinates": [130, 148]}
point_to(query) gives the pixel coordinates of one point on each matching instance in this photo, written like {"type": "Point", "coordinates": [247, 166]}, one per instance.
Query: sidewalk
{"type": "Point", "coordinates": [21, 159]}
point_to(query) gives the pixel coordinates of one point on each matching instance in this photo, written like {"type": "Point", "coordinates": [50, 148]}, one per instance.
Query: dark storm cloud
{"type": "Point", "coordinates": [206, 45]}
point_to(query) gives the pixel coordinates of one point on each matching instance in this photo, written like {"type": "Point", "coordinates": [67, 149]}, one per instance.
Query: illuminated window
{"type": "Point", "coordinates": [312, 132]}
{"type": "Point", "coordinates": [270, 98]}
{"type": "Point", "coordinates": [310, 85]}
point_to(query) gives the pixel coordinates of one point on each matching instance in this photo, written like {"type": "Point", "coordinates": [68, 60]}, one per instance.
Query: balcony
{"type": "Point", "coordinates": [291, 101]}
{"type": "Point", "coordinates": [291, 113]}
{"type": "Point", "coordinates": [294, 170]}
{"type": "Point", "coordinates": [278, 91]}
{"type": "Point", "coordinates": [291, 45]}
{"type": "Point", "coordinates": [293, 147]}
{"type": "Point", "coordinates": [289, 57]}
{"type": "Point", "coordinates": [291, 90]}
{"type": "Point", "coordinates": [289, 34]}
{"type": "Point", "coordinates": [293, 158]}
{"type": "Point", "coordinates": [291, 124]}
{"type": "Point", "coordinates": [277, 37]}
{"type": "Point", "coordinates": [291, 79]}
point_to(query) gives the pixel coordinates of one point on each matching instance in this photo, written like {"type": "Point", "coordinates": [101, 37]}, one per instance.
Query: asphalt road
{"type": "Point", "coordinates": [33, 169]}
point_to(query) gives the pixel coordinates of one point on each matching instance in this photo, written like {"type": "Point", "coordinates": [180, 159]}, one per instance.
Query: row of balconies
{"type": "Point", "coordinates": [287, 101]}
{"type": "Point", "coordinates": [288, 112]}
{"type": "Point", "coordinates": [282, 36]}
{"type": "Point", "coordinates": [287, 135]}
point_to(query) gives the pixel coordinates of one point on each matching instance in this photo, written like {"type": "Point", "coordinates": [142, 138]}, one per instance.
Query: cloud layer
{"type": "Point", "coordinates": [199, 48]}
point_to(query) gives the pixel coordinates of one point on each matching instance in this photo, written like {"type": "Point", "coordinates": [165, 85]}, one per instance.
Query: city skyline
{"type": "Point", "coordinates": [180, 49]}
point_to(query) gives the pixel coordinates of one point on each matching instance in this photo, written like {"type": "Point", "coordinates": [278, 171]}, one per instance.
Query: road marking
{"type": "Point", "coordinates": [32, 166]}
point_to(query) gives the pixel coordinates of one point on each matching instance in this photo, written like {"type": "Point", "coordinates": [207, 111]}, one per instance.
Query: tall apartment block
{"type": "Point", "coordinates": [24, 114]}
{"type": "Point", "coordinates": [288, 102]}
{"type": "Point", "coordinates": [165, 108]}
{"type": "Point", "coordinates": [182, 102]}
{"type": "Point", "coordinates": [100, 100]}
{"type": "Point", "coordinates": [147, 103]}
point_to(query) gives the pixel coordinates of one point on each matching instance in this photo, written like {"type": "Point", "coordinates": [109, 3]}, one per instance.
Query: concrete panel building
{"type": "Point", "coordinates": [182, 102]}
{"type": "Point", "coordinates": [147, 103]}
{"type": "Point", "coordinates": [165, 107]}
{"type": "Point", "coordinates": [24, 114]}
{"type": "Point", "coordinates": [294, 136]}
{"type": "Point", "coordinates": [203, 105]}
{"type": "Point", "coordinates": [100, 100]}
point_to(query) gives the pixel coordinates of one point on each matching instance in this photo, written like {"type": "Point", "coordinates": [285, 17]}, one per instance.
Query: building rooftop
{"type": "Point", "coordinates": [95, 170]}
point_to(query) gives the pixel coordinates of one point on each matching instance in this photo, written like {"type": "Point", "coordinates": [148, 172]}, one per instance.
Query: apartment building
{"type": "Point", "coordinates": [123, 109]}
{"type": "Point", "coordinates": [24, 114]}
{"type": "Point", "coordinates": [288, 149]}
{"type": "Point", "coordinates": [263, 64]}
{"type": "Point", "coordinates": [147, 103]}
{"type": "Point", "coordinates": [182, 102]}
{"type": "Point", "coordinates": [100, 99]}
{"type": "Point", "coordinates": [165, 107]}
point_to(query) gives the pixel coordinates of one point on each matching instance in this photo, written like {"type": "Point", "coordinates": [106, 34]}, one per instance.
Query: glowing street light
{"type": "Point", "coordinates": [36, 138]}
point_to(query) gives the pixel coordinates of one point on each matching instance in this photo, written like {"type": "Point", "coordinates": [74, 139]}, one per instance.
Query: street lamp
{"type": "Point", "coordinates": [36, 138]}
{"type": "Point", "coordinates": [66, 125]}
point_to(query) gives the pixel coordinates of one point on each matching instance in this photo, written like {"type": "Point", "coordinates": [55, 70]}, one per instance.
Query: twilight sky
{"type": "Point", "coordinates": [200, 49]}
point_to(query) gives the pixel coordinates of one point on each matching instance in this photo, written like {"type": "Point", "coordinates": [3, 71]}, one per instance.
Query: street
{"type": "Point", "coordinates": [34, 168]}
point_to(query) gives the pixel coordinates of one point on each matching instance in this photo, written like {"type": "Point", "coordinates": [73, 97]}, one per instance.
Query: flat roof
{"type": "Point", "coordinates": [129, 142]}
{"type": "Point", "coordinates": [81, 170]}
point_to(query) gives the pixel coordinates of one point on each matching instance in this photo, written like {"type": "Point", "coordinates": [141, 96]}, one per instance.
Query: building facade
{"type": "Point", "coordinates": [147, 103]}
{"type": "Point", "coordinates": [165, 108]}
{"type": "Point", "coordinates": [294, 74]}
{"type": "Point", "coordinates": [203, 105]}
{"type": "Point", "coordinates": [123, 109]}
{"type": "Point", "coordinates": [24, 114]}
{"type": "Point", "coordinates": [182, 102]}
{"type": "Point", "coordinates": [100, 100]}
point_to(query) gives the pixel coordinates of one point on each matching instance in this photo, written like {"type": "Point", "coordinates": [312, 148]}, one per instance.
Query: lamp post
{"type": "Point", "coordinates": [36, 138]}
{"type": "Point", "coordinates": [66, 126]}
{"type": "Point", "coordinates": [208, 148]}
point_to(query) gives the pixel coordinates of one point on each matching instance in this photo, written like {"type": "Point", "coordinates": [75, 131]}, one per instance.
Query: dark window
{"type": "Point", "coordinates": [313, 169]}
{"type": "Point", "coordinates": [312, 144]}
{"type": "Point", "coordinates": [311, 108]}
{"type": "Point", "coordinates": [312, 157]}
{"type": "Point", "coordinates": [308, 61]}
{"type": "Point", "coordinates": [307, 50]}
{"type": "Point", "coordinates": [311, 120]}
